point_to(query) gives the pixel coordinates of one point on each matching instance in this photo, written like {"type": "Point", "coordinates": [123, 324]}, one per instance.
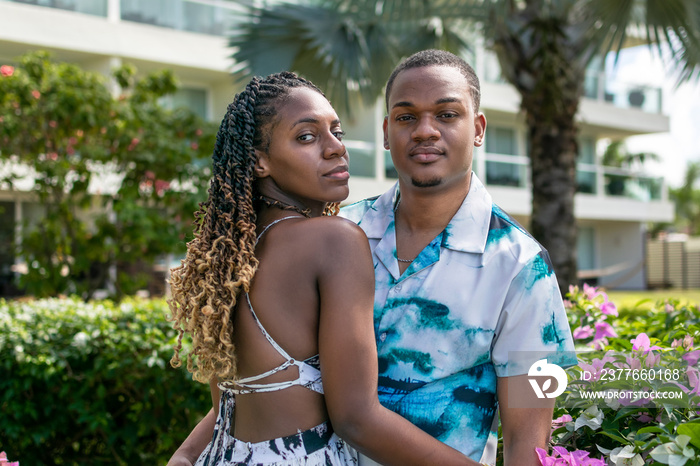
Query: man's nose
{"type": "Point", "coordinates": [426, 129]}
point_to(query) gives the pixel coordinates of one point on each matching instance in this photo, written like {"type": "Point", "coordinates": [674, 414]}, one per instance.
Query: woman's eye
{"type": "Point", "coordinates": [339, 135]}
{"type": "Point", "coordinates": [306, 137]}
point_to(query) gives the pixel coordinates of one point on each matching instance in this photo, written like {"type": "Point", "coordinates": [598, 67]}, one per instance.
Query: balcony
{"type": "Point", "coordinates": [91, 7]}
{"type": "Point", "coordinates": [621, 94]}
{"type": "Point", "coordinates": [211, 17]}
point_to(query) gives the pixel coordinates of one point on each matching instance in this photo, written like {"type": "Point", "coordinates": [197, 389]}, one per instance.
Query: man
{"type": "Point", "coordinates": [466, 300]}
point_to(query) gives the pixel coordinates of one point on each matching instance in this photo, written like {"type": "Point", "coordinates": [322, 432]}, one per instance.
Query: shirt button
{"type": "Point", "coordinates": [398, 287]}
{"type": "Point", "coordinates": [382, 336]}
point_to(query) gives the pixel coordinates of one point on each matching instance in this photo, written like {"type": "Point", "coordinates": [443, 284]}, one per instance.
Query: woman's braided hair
{"type": "Point", "coordinates": [220, 261]}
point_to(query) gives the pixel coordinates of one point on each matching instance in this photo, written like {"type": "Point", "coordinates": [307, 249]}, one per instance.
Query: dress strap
{"type": "Point", "coordinates": [274, 223]}
{"type": "Point", "coordinates": [289, 361]}
{"type": "Point", "coordinates": [274, 344]}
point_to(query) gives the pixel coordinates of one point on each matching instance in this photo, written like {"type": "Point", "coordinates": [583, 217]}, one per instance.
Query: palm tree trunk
{"type": "Point", "coordinates": [547, 67]}
{"type": "Point", "coordinates": [553, 149]}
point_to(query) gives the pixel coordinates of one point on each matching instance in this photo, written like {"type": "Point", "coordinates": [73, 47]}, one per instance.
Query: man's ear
{"type": "Point", "coordinates": [479, 129]}
{"type": "Point", "coordinates": [262, 167]}
{"type": "Point", "coordinates": [385, 126]}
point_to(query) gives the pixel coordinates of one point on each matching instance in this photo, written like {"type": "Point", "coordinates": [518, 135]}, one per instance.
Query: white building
{"type": "Point", "coordinates": [188, 36]}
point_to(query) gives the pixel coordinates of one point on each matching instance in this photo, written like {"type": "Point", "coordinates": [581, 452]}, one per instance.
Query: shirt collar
{"type": "Point", "coordinates": [466, 232]}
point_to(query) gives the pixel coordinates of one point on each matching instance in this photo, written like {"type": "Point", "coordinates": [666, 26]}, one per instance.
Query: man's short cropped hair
{"type": "Point", "coordinates": [434, 57]}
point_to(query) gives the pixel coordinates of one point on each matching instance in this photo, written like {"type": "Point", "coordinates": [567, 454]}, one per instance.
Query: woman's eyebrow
{"type": "Point", "coordinates": [313, 121]}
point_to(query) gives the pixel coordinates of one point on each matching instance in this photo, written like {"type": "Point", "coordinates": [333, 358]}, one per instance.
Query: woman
{"type": "Point", "coordinates": [277, 296]}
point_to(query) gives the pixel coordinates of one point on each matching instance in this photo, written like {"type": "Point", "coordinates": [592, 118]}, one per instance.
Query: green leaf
{"type": "Point", "coordinates": [691, 430]}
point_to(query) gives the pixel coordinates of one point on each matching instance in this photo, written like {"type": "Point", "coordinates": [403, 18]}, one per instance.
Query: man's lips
{"type": "Point", "coordinates": [426, 154]}
{"type": "Point", "coordinates": [339, 173]}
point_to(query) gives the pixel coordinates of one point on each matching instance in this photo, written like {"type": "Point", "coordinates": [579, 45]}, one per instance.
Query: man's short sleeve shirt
{"type": "Point", "coordinates": [481, 289]}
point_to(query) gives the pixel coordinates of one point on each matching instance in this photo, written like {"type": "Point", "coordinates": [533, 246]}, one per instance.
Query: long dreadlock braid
{"type": "Point", "coordinates": [220, 261]}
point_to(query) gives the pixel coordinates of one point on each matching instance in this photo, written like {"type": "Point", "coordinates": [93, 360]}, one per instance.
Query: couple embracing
{"type": "Point", "coordinates": [385, 333]}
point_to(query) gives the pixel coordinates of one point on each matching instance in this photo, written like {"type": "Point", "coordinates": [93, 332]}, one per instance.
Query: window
{"type": "Point", "coordinates": [501, 145]}
{"type": "Point", "coordinates": [586, 176]}
{"type": "Point", "coordinates": [585, 248]}
{"type": "Point", "coordinates": [191, 98]}
{"type": "Point", "coordinates": [501, 140]}
{"type": "Point", "coordinates": [586, 149]}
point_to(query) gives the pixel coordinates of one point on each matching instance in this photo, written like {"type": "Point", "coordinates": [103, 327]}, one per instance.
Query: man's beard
{"type": "Point", "coordinates": [426, 183]}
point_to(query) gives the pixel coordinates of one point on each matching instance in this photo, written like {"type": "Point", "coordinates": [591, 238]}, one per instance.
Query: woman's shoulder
{"type": "Point", "coordinates": [325, 238]}
{"type": "Point", "coordinates": [333, 230]}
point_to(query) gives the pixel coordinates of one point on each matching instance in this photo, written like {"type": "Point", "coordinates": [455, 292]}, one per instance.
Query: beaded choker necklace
{"type": "Point", "coordinates": [270, 202]}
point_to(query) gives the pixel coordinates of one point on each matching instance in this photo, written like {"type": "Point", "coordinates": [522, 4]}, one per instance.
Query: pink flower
{"type": "Point", "coordinates": [161, 186]}
{"type": "Point", "coordinates": [194, 145]}
{"type": "Point", "coordinates": [7, 70]}
{"type": "Point", "coordinates": [608, 308]}
{"type": "Point", "coordinates": [561, 456]}
{"type": "Point", "coordinates": [603, 330]}
{"type": "Point", "coordinates": [644, 417]}
{"type": "Point", "coordinates": [595, 368]}
{"type": "Point", "coordinates": [642, 343]}
{"type": "Point", "coordinates": [652, 359]}
{"type": "Point", "coordinates": [590, 291]}
{"type": "Point", "coordinates": [633, 362]}
{"type": "Point", "coordinates": [5, 462]}
{"type": "Point", "coordinates": [688, 342]}
{"type": "Point", "coordinates": [560, 421]}
{"type": "Point", "coordinates": [581, 333]}
{"type": "Point", "coordinates": [692, 357]}
{"type": "Point", "coordinates": [36, 94]}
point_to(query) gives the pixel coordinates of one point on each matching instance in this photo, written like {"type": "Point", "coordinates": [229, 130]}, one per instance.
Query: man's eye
{"type": "Point", "coordinates": [339, 135]}
{"type": "Point", "coordinates": [404, 118]}
{"type": "Point", "coordinates": [448, 115]}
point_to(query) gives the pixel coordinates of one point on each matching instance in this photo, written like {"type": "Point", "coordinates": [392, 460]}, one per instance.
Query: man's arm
{"type": "Point", "coordinates": [526, 421]}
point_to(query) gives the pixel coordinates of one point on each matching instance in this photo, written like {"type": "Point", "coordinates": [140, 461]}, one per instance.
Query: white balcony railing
{"type": "Point", "coordinates": [213, 17]}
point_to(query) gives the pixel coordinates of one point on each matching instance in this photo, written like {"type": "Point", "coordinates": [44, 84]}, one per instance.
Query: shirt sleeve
{"type": "Point", "coordinates": [533, 324]}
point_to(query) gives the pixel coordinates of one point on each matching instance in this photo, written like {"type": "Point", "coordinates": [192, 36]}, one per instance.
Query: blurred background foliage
{"type": "Point", "coordinates": [118, 174]}
{"type": "Point", "coordinates": [90, 383]}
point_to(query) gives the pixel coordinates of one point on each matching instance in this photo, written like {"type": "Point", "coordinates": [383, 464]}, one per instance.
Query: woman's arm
{"type": "Point", "coordinates": [348, 355]}
{"type": "Point", "coordinates": [201, 435]}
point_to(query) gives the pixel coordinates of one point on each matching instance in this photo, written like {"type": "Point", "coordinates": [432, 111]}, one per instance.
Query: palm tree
{"type": "Point", "coordinates": [616, 155]}
{"type": "Point", "coordinates": [349, 47]}
{"type": "Point", "coordinates": [687, 200]}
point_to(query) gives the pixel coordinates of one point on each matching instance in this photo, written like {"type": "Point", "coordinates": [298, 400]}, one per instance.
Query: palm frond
{"type": "Point", "coordinates": [676, 24]}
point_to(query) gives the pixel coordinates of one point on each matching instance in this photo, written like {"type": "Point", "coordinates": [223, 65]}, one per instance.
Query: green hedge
{"type": "Point", "coordinates": [91, 383]}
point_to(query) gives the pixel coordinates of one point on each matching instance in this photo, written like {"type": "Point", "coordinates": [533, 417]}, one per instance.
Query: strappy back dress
{"type": "Point", "coordinates": [316, 446]}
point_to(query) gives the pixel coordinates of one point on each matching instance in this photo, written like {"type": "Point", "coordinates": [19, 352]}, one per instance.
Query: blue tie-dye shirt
{"type": "Point", "coordinates": [481, 289]}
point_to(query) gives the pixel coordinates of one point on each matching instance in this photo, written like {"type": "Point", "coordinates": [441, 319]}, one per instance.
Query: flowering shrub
{"type": "Point", "coordinates": [645, 367]}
